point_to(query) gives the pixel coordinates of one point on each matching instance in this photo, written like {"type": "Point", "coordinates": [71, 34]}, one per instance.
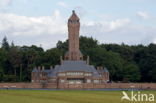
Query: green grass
{"type": "Point", "coordinates": [45, 96]}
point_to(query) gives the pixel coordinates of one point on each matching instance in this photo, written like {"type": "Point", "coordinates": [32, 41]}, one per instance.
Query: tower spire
{"type": "Point", "coordinates": [74, 16]}
{"type": "Point", "coordinates": [73, 11]}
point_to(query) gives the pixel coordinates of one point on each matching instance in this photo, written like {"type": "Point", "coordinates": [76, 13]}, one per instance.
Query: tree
{"type": "Point", "coordinates": [131, 73]}
{"type": "Point", "coordinates": [2, 63]}
{"type": "Point", "coordinates": [87, 43]}
{"type": "Point", "coordinates": [14, 56]}
{"type": "Point", "coordinates": [125, 51]}
{"type": "Point", "coordinates": [5, 44]}
{"type": "Point", "coordinates": [145, 57]}
{"type": "Point", "coordinates": [52, 57]}
{"type": "Point", "coordinates": [135, 63]}
{"type": "Point", "coordinates": [63, 46]}
{"type": "Point", "coordinates": [31, 57]}
{"type": "Point", "coordinates": [111, 60]}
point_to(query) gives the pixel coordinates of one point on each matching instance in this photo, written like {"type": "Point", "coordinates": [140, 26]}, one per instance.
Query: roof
{"type": "Point", "coordinates": [103, 70]}
{"type": "Point", "coordinates": [74, 16]}
{"type": "Point", "coordinates": [72, 66]}
{"type": "Point", "coordinates": [75, 66]}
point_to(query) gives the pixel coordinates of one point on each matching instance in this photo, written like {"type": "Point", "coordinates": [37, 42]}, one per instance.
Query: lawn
{"type": "Point", "coordinates": [67, 96]}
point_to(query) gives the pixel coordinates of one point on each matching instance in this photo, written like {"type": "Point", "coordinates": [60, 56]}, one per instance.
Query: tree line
{"type": "Point", "coordinates": [135, 63]}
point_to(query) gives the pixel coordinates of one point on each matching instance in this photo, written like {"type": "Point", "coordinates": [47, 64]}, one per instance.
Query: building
{"type": "Point", "coordinates": [73, 70]}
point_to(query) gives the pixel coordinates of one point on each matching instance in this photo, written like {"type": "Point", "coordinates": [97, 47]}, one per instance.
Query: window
{"type": "Point", "coordinates": [61, 74]}
{"type": "Point", "coordinates": [74, 73]}
{"type": "Point", "coordinates": [88, 74]}
{"type": "Point", "coordinates": [62, 80]}
{"type": "Point", "coordinates": [53, 80]}
{"type": "Point", "coordinates": [96, 81]}
{"type": "Point", "coordinates": [70, 21]}
{"type": "Point", "coordinates": [88, 81]}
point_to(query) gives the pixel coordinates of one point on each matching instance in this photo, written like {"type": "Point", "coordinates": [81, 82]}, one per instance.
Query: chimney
{"type": "Point", "coordinates": [39, 68]}
{"type": "Point", "coordinates": [43, 68]}
{"type": "Point", "coordinates": [101, 68]}
{"type": "Point", "coordinates": [61, 60]}
{"type": "Point", "coordinates": [88, 60]}
{"type": "Point", "coordinates": [98, 68]}
{"type": "Point", "coordinates": [51, 67]}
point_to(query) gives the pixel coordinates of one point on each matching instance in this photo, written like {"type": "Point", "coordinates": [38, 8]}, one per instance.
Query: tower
{"type": "Point", "coordinates": [73, 37]}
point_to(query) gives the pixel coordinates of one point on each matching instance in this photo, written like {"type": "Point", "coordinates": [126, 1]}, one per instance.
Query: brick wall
{"type": "Point", "coordinates": [54, 85]}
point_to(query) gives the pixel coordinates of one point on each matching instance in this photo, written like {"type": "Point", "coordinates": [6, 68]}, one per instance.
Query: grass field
{"type": "Point", "coordinates": [45, 96]}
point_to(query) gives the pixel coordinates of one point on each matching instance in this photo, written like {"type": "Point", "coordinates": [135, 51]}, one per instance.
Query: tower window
{"type": "Point", "coordinates": [70, 21]}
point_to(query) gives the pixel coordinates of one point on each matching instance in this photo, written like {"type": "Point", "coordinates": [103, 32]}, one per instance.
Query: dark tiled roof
{"type": "Point", "coordinates": [103, 70]}
{"type": "Point", "coordinates": [75, 66]}
{"type": "Point", "coordinates": [72, 66]}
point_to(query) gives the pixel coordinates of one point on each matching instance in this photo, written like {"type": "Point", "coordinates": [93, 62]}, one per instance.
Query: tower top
{"type": "Point", "coordinates": [74, 16]}
{"type": "Point", "coordinates": [73, 11]}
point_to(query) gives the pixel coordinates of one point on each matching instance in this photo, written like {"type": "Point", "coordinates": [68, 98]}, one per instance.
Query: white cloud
{"type": "Point", "coordinates": [62, 4]}
{"type": "Point", "coordinates": [118, 23]}
{"type": "Point", "coordinates": [107, 26]}
{"type": "Point", "coordinates": [118, 31]}
{"type": "Point", "coordinates": [154, 41]}
{"type": "Point", "coordinates": [31, 26]}
{"type": "Point", "coordinates": [47, 30]}
{"type": "Point", "coordinates": [33, 30]}
{"type": "Point", "coordinates": [143, 15]}
{"type": "Point", "coordinates": [5, 2]}
{"type": "Point", "coordinates": [4, 5]}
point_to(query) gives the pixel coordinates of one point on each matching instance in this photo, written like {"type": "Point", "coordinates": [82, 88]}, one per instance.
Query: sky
{"type": "Point", "coordinates": [44, 22]}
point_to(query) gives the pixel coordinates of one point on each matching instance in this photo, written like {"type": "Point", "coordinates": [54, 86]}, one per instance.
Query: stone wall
{"type": "Point", "coordinates": [79, 86]}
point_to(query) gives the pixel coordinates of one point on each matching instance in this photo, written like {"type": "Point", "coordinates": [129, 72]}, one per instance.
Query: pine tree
{"type": "Point", "coordinates": [5, 44]}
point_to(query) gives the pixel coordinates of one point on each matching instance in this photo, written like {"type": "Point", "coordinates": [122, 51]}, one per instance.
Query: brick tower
{"type": "Point", "coordinates": [73, 37]}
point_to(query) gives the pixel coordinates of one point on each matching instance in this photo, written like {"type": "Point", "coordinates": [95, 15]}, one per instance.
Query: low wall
{"type": "Point", "coordinates": [27, 85]}
{"type": "Point", "coordinates": [80, 86]}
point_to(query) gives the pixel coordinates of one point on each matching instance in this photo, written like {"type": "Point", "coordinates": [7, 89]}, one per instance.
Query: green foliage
{"type": "Point", "coordinates": [109, 59]}
{"type": "Point", "coordinates": [131, 73]}
{"type": "Point", "coordinates": [125, 63]}
{"type": "Point", "coordinates": [5, 44]}
{"type": "Point", "coordinates": [52, 57]}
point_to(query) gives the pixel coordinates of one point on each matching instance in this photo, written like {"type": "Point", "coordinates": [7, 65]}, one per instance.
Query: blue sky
{"type": "Point", "coordinates": [43, 22]}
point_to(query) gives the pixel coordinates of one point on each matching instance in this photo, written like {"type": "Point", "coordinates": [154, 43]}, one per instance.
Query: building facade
{"type": "Point", "coordinates": [73, 69]}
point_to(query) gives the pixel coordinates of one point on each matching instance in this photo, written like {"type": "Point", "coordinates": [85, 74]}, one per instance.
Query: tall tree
{"type": "Point", "coordinates": [5, 44]}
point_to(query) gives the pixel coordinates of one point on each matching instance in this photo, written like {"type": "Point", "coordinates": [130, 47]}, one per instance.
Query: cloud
{"type": "Point", "coordinates": [47, 30]}
{"type": "Point", "coordinates": [5, 2]}
{"type": "Point", "coordinates": [106, 26]}
{"type": "Point", "coordinates": [154, 41]}
{"type": "Point", "coordinates": [33, 30]}
{"type": "Point", "coordinates": [143, 15]}
{"type": "Point", "coordinates": [32, 26]}
{"type": "Point", "coordinates": [118, 31]}
{"type": "Point", "coordinates": [62, 4]}
{"type": "Point", "coordinates": [4, 5]}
